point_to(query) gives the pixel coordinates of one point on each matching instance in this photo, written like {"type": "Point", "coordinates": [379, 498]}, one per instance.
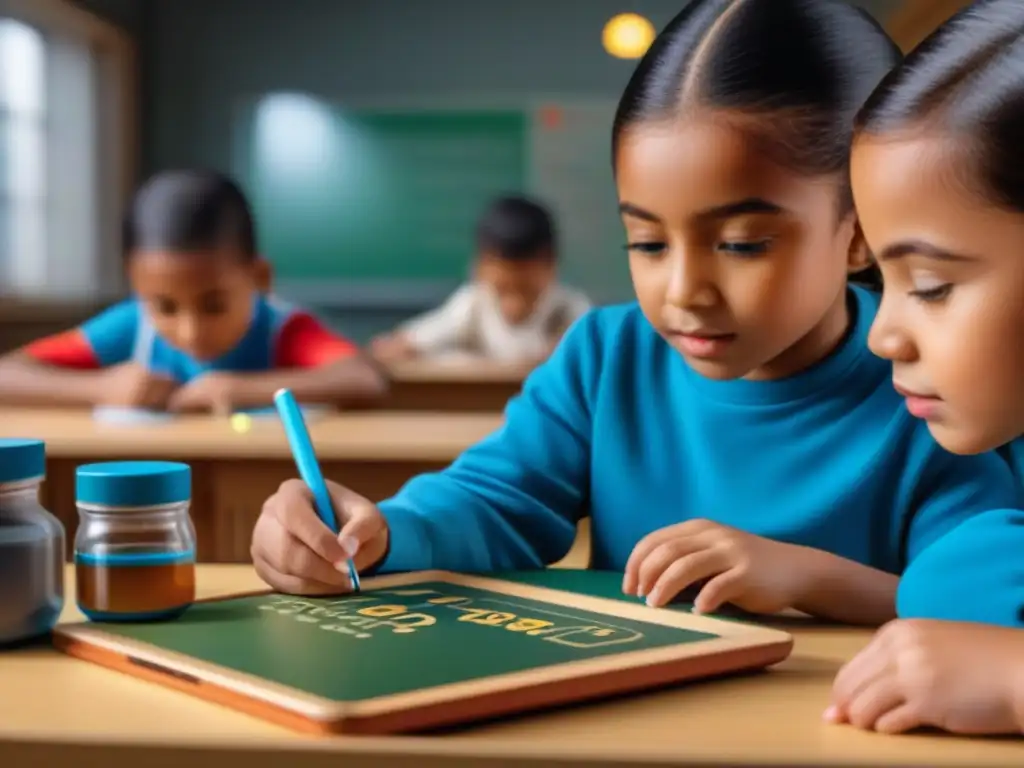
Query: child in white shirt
{"type": "Point", "coordinates": [514, 310]}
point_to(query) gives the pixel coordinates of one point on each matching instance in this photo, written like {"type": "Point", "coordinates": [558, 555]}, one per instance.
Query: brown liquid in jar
{"type": "Point", "coordinates": [140, 590]}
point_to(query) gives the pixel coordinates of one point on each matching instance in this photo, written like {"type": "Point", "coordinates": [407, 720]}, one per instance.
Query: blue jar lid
{"type": "Point", "coordinates": [21, 459]}
{"type": "Point", "coordinates": [133, 483]}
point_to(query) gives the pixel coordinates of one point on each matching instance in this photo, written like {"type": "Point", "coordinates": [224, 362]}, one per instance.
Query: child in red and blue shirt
{"type": "Point", "coordinates": [200, 331]}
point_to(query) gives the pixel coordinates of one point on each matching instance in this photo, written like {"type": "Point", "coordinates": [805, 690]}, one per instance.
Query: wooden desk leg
{"type": "Point", "coordinates": [204, 508]}
{"type": "Point", "coordinates": [58, 496]}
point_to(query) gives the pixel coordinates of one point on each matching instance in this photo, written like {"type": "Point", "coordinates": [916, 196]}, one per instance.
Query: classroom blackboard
{"type": "Point", "coordinates": [420, 650]}
{"type": "Point", "coordinates": [362, 195]}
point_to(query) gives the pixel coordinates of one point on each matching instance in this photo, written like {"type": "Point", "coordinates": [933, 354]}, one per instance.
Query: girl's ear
{"type": "Point", "coordinates": [264, 275]}
{"type": "Point", "coordinates": [860, 265]}
{"type": "Point", "coordinates": [858, 258]}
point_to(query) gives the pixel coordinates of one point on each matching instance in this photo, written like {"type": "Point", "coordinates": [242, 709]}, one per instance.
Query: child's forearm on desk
{"type": "Point", "coordinates": [848, 591]}
{"type": "Point", "coordinates": [24, 381]}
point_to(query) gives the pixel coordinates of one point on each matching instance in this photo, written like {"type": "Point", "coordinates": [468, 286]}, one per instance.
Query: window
{"type": "Point", "coordinates": [67, 129]}
{"type": "Point", "coordinates": [23, 208]}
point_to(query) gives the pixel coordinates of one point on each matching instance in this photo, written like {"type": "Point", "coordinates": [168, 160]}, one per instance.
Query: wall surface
{"type": "Point", "coordinates": [201, 59]}
{"type": "Point", "coordinates": [206, 55]}
{"type": "Point", "coordinates": [125, 13]}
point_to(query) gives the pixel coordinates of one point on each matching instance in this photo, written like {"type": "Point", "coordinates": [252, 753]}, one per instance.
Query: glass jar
{"type": "Point", "coordinates": [135, 550]}
{"type": "Point", "coordinates": [31, 546]}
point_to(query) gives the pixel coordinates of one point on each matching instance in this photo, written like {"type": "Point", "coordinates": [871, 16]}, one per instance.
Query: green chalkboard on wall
{"type": "Point", "coordinates": [357, 195]}
{"type": "Point", "coordinates": [421, 650]}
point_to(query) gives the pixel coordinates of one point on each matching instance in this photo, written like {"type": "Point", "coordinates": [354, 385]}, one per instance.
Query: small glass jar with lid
{"type": "Point", "coordinates": [135, 550]}
{"type": "Point", "coordinates": [31, 546]}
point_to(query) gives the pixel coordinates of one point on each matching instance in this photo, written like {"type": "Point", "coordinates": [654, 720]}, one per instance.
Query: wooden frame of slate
{"type": "Point", "coordinates": [417, 651]}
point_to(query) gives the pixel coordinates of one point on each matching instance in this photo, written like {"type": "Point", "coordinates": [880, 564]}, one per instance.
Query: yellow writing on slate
{"type": "Point", "coordinates": [361, 616]}
{"type": "Point", "coordinates": [346, 617]}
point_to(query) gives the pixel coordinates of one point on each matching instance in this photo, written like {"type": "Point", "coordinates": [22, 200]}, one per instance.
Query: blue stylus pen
{"type": "Point", "coordinates": [309, 468]}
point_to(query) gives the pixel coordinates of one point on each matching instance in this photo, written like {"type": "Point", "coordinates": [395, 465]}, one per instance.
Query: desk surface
{"type": "Point", "coordinates": [364, 435]}
{"type": "Point", "coordinates": [457, 370]}
{"type": "Point", "coordinates": [73, 713]}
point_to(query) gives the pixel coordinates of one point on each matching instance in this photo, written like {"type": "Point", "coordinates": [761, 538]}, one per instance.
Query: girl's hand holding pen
{"type": "Point", "coordinates": [296, 553]}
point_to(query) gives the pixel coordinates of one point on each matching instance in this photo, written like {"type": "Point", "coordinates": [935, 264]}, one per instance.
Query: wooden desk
{"type": "Point", "coordinates": [453, 385]}
{"type": "Point", "coordinates": [233, 474]}
{"type": "Point", "coordinates": [65, 712]}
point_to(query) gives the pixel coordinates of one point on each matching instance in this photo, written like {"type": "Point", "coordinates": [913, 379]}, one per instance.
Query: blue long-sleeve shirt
{"type": "Point", "coordinates": [1013, 452]}
{"type": "Point", "coordinates": [616, 425]}
{"type": "Point", "coordinates": [975, 572]}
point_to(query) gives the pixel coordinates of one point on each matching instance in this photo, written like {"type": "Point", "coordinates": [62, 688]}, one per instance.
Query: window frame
{"type": "Point", "coordinates": [10, 202]}
{"type": "Point", "coordinates": [117, 128]}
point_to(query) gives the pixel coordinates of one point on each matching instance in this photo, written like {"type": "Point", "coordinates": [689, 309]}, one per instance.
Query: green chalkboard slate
{"type": "Point", "coordinates": [583, 581]}
{"type": "Point", "coordinates": [360, 195]}
{"type": "Point", "coordinates": [286, 640]}
{"type": "Point", "coordinates": [608, 584]}
{"type": "Point", "coordinates": [416, 651]}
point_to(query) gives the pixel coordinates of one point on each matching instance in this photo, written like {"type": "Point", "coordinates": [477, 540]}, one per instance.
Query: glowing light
{"type": "Point", "coordinates": [627, 36]}
{"type": "Point", "coordinates": [294, 135]}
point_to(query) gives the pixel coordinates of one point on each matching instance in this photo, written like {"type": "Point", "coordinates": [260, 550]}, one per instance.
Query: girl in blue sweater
{"type": "Point", "coordinates": [938, 176]}
{"type": "Point", "coordinates": [730, 428]}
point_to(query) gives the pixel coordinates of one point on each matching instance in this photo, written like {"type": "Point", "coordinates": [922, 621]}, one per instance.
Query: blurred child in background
{"type": "Point", "coordinates": [514, 310]}
{"type": "Point", "coordinates": [200, 332]}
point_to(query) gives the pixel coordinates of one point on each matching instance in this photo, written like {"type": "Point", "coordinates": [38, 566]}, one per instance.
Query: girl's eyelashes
{"type": "Point", "coordinates": [929, 288]}
{"type": "Point", "coordinates": [737, 247]}
{"type": "Point", "coordinates": [934, 294]}
{"type": "Point", "coordinates": [648, 248]}
{"type": "Point", "coordinates": [746, 247]}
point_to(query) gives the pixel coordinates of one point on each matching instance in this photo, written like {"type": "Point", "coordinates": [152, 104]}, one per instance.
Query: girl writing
{"type": "Point", "coordinates": [729, 430]}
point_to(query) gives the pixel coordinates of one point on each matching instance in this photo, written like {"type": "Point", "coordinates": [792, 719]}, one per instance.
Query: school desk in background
{"type": "Point", "coordinates": [418, 651]}
{"type": "Point", "coordinates": [233, 472]}
{"type": "Point", "coordinates": [453, 384]}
